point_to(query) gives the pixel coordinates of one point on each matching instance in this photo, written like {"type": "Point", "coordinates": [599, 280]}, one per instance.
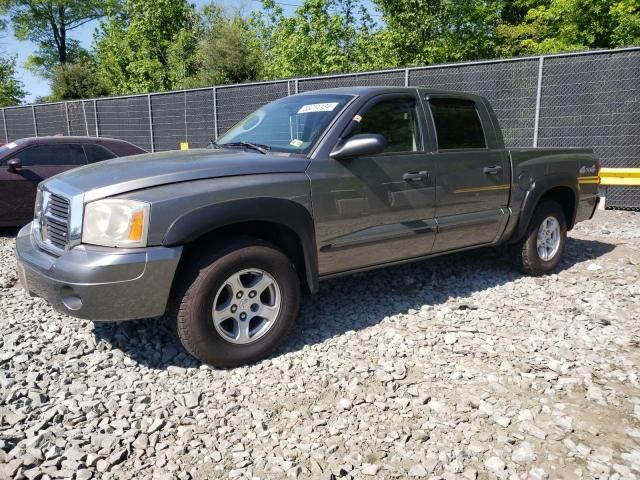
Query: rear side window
{"type": "Point", "coordinates": [56, 154]}
{"type": "Point", "coordinates": [457, 123]}
{"type": "Point", "coordinates": [97, 153]}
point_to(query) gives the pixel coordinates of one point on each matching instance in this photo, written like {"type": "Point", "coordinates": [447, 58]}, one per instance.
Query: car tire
{"type": "Point", "coordinates": [235, 305]}
{"type": "Point", "coordinates": [541, 249]}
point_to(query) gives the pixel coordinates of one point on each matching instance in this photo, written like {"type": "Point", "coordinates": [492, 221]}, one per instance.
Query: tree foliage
{"type": "Point", "coordinates": [11, 89]}
{"type": "Point", "coordinates": [154, 45]}
{"type": "Point", "coordinates": [147, 45]}
{"type": "Point", "coordinates": [322, 36]}
{"type": "Point", "coordinates": [48, 24]}
{"type": "Point", "coordinates": [77, 80]}
{"type": "Point", "coordinates": [568, 25]}
{"type": "Point", "coordinates": [228, 50]}
{"type": "Point", "coordinates": [430, 31]}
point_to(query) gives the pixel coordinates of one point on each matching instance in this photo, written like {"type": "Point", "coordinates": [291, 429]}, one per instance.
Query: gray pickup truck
{"type": "Point", "coordinates": [223, 240]}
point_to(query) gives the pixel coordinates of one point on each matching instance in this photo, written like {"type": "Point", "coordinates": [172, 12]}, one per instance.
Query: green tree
{"type": "Point", "coordinates": [567, 25]}
{"type": "Point", "coordinates": [430, 31]}
{"type": "Point", "coordinates": [48, 23]}
{"type": "Point", "coordinates": [76, 80]}
{"type": "Point", "coordinates": [11, 89]}
{"type": "Point", "coordinates": [626, 18]}
{"type": "Point", "coordinates": [322, 36]}
{"type": "Point", "coordinates": [228, 50]}
{"type": "Point", "coordinates": [147, 45]}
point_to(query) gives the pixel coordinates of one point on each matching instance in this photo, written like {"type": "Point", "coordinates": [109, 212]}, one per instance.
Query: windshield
{"type": "Point", "coordinates": [8, 147]}
{"type": "Point", "coordinates": [291, 124]}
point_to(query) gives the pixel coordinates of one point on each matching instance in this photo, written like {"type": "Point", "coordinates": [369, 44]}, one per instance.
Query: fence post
{"type": "Point", "coordinates": [150, 122]}
{"type": "Point", "coordinates": [406, 77]}
{"type": "Point", "coordinates": [536, 122]}
{"type": "Point", "coordinates": [66, 112]}
{"type": "Point", "coordinates": [35, 124]}
{"type": "Point", "coordinates": [6, 132]}
{"type": "Point", "coordinates": [86, 123]}
{"type": "Point", "coordinates": [296, 85]}
{"type": "Point", "coordinates": [95, 114]}
{"type": "Point", "coordinates": [215, 114]}
{"type": "Point", "coordinates": [186, 121]}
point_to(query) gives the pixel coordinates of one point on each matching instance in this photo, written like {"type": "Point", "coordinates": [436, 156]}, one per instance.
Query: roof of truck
{"type": "Point", "coordinates": [366, 90]}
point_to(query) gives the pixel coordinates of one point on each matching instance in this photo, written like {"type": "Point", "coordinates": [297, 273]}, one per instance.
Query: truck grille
{"type": "Point", "coordinates": [54, 221]}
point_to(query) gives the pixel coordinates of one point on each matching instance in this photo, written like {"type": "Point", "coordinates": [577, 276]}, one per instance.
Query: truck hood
{"type": "Point", "coordinates": [120, 175]}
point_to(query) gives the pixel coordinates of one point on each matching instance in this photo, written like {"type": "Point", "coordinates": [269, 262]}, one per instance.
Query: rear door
{"type": "Point", "coordinates": [472, 180]}
{"type": "Point", "coordinates": [39, 162]}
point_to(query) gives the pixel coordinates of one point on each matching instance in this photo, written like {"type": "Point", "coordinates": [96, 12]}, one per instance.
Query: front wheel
{"type": "Point", "coordinates": [541, 249]}
{"type": "Point", "coordinates": [238, 303]}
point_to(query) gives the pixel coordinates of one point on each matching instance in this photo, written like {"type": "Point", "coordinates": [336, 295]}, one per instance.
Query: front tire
{"type": "Point", "coordinates": [237, 304]}
{"type": "Point", "coordinates": [541, 249]}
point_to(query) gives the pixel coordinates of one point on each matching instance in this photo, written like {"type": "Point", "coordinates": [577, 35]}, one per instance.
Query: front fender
{"type": "Point", "coordinates": [200, 221]}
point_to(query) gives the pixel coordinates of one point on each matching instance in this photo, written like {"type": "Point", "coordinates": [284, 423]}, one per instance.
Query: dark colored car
{"type": "Point", "coordinates": [308, 187]}
{"type": "Point", "coordinates": [26, 162]}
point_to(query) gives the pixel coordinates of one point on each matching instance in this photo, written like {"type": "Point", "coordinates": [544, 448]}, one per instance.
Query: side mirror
{"type": "Point", "coordinates": [359, 146]}
{"type": "Point", "coordinates": [14, 165]}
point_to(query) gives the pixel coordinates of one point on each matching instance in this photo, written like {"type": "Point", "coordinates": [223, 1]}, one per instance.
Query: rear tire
{"type": "Point", "coordinates": [235, 305]}
{"type": "Point", "coordinates": [541, 249]}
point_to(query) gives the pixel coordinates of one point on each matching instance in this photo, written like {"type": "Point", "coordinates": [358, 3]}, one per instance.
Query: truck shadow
{"type": "Point", "coordinates": [355, 302]}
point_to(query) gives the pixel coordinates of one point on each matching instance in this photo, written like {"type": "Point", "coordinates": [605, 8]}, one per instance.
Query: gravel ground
{"type": "Point", "coordinates": [457, 367]}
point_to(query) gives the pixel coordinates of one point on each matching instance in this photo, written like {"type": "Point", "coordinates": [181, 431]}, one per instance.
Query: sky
{"type": "Point", "coordinates": [38, 87]}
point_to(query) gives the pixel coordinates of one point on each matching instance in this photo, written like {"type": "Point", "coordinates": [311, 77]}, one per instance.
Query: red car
{"type": "Point", "coordinates": [26, 162]}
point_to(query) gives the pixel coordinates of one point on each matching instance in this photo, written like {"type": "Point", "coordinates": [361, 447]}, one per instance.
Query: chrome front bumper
{"type": "Point", "coordinates": [99, 283]}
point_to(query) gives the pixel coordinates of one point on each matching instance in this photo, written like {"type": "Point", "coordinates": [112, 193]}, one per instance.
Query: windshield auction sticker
{"type": "Point", "coordinates": [318, 107]}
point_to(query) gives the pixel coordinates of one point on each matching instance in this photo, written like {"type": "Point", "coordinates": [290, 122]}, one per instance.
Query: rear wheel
{"type": "Point", "coordinates": [237, 304]}
{"type": "Point", "coordinates": [541, 249]}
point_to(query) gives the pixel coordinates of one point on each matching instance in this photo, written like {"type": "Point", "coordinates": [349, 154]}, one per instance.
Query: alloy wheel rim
{"type": "Point", "coordinates": [246, 306]}
{"type": "Point", "coordinates": [548, 241]}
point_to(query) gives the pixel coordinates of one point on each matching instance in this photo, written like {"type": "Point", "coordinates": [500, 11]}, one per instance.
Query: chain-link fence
{"type": "Point", "coordinates": [587, 99]}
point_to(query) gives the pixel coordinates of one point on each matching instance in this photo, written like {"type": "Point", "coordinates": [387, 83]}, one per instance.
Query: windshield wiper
{"type": "Point", "coordinates": [253, 146]}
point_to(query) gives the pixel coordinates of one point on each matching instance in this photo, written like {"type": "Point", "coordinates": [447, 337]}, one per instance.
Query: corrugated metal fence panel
{"type": "Point", "coordinates": [388, 79]}
{"type": "Point", "coordinates": [81, 118]}
{"type": "Point", "coordinates": [594, 101]}
{"type": "Point", "coordinates": [235, 103]}
{"type": "Point", "coordinates": [200, 118]}
{"type": "Point", "coordinates": [19, 123]}
{"type": "Point", "coordinates": [511, 88]}
{"type": "Point", "coordinates": [51, 119]}
{"type": "Point", "coordinates": [125, 118]}
{"type": "Point", "coordinates": [169, 126]}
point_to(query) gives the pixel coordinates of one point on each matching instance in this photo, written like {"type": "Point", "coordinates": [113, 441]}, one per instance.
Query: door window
{"type": "Point", "coordinates": [97, 153]}
{"type": "Point", "coordinates": [57, 154]}
{"type": "Point", "coordinates": [396, 119]}
{"type": "Point", "coordinates": [457, 123]}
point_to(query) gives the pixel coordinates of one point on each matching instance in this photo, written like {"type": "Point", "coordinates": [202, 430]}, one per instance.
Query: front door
{"type": "Point", "coordinates": [472, 176]}
{"type": "Point", "coordinates": [377, 209]}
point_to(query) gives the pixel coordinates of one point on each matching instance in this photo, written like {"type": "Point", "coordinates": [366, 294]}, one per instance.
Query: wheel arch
{"type": "Point", "coordinates": [563, 190]}
{"type": "Point", "coordinates": [284, 223]}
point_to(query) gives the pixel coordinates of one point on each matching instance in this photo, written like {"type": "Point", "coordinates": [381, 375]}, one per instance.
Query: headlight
{"type": "Point", "coordinates": [116, 223]}
{"type": "Point", "coordinates": [38, 206]}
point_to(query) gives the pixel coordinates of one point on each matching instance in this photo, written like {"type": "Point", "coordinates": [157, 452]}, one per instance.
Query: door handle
{"type": "Point", "coordinates": [415, 176]}
{"type": "Point", "coordinates": [492, 170]}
